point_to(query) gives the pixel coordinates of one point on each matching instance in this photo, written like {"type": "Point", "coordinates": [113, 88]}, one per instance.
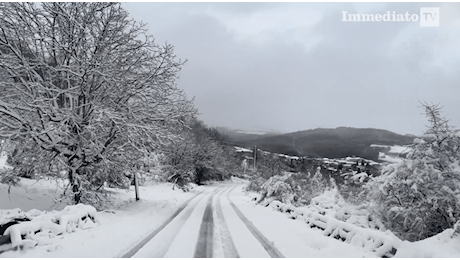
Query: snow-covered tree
{"type": "Point", "coordinates": [420, 196]}
{"type": "Point", "coordinates": [89, 86]}
{"type": "Point", "coordinates": [441, 145]}
{"type": "Point", "coordinates": [200, 155]}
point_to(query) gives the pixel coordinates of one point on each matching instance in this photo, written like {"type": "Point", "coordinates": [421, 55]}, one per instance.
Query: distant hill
{"type": "Point", "coordinates": [331, 143]}
{"type": "Point", "coordinates": [244, 135]}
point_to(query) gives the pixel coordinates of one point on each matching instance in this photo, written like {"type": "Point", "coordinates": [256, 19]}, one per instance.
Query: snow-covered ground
{"type": "Point", "coordinates": [219, 220]}
{"type": "Point", "coordinates": [242, 150]}
{"type": "Point", "coordinates": [121, 227]}
{"type": "Point", "coordinates": [394, 149]}
{"type": "Point", "coordinates": [389, 158]}
{"type": "Point", "coordinates": [393, 155]}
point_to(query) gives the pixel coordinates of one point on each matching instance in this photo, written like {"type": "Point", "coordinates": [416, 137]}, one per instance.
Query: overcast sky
{"type": "Point", "coordinates": [297, 66]}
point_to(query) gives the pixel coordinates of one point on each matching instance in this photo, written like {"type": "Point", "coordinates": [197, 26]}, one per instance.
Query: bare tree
{"type": "Point", "coordinates": [88, 85]}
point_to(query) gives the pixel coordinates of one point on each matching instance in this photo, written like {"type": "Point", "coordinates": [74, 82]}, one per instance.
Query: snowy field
{"type": "Point", "coordinates": [394, 149]}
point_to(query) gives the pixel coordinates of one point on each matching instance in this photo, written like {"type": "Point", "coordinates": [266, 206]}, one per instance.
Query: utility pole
{"type": "Point", "coordinates": [255, 156]}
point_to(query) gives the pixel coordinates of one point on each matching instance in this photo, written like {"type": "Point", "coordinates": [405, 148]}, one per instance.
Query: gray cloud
{"type": "Point", "coordinates": [266, 65]}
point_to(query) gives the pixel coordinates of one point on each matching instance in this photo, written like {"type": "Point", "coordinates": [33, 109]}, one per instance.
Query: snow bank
{"type": "Point", "coordinates": [382, 243]}
{"type": "Point", "coordinates": [443, 245]}
{"type": "Point", "coordinates": [45, 225]}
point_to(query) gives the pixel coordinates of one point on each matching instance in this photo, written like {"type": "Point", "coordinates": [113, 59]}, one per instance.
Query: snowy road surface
{"type": "Point", "coordinates": [210, 225]}
{"type": "Point", "coordinates": [219, 222]}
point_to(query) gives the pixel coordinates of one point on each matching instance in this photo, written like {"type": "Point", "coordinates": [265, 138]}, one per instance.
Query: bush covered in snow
{"type": "Point", "coordinates": [352, 189]}
{"type": "Point", "coordinates": [420, 196]}
{"type": "Point", "coordinates": [307, 186]}
{"type": "Point", "coordinates": [7, 176]}
{"type": "Point", "coordinates": [415, 200]}
{"type": "Point", "coordinates": [277, 188]}
{"type": "Point", "coordinates": [256, 184]}
{"type": "Point", "coordinates": [45, 225]}
{"type": "Point", "coordinates": [291, 188]}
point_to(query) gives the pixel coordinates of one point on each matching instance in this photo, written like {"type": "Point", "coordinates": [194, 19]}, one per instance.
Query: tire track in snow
{"type": "Point", "coordinates": [227, 241]}
{"type": "Point", "coordinates": [144, 241]}
{"type": "Point", "coordinates": [161, 244]}
{"type": "Point", "coordinates": [211, 230]}
{"type": "Point", "coordinates": [203, 247]}
{"type": "Point", "coordinates": [267, 245]}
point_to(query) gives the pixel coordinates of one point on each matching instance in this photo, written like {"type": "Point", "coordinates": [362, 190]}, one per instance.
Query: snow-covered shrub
{"type": "Point", "coordinates": [292, 188]}
{"type": "Point", "coordinates": [420, 196]}
{"type": "Point", "coordinates": [306, 186]}
{"type": "Point", "coordinates": [277, 188]}
{"type": "Point", "coordinates": [352, 189]}
{"type": "Point", "coordinates": [7, 176]}
{"type": "Point", "coordinates": [179, 177]}
{"type": "Point", "coordinates": [256, 184]}
{"type": "Point", "coordinates": [416, 201]}
{"type": "Point", "coordinates": [45, 225]}
{"type": "Point", "coordinates": [331, 203]}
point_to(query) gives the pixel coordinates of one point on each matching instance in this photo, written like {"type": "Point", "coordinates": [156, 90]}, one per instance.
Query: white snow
{"type": "Point", "coordinates": [389, 158]}
{"type": "Point", "coordinates": [293, 231]}
{"type": "Point", "coordinates": [443, 245]}
{"type": "Point", "coordinates": [55, 223]}
{"type": "Point", "coordinates": [241, 149]}
{"type": "Point", "coordinates": [394, 149]}
{"type": "Point", "coordinates": [294, 238]}
{"type": "Point", "coordinates": [121, 227]}
{"type": "Point", "coordinates": [3, 164]}
{"type": "Point", "coordinates": [326, 210]}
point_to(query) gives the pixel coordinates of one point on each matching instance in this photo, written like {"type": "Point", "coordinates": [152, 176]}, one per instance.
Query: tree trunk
{"type": "Point", "coordinates": [76, 185]}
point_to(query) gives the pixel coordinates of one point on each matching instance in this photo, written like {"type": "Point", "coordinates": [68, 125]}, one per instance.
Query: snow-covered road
{"type": "Point", "coordinates": [222, 222]}
{"type": "Point", "coordinates": [211, 225]}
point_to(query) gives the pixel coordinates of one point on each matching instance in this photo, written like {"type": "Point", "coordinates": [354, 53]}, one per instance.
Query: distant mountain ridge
{"type": "Point", "coordinates": [327, 142]}
{"type": "Point", "coordinates": [239, 135]}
